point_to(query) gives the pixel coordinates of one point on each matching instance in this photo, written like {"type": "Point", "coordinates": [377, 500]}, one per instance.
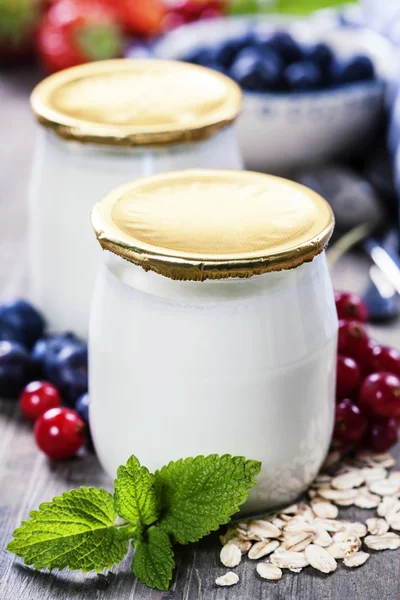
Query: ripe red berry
{"type": "Point", "coordinates": [380, 394]}
{"type": "Point", "coordinates": [38, 397]}
{"type": "Point", "coordinates": [350, 423]}
{"type": "Point", "coordinates": [59, 433]}
{"type": "Point", "coordinates": [382, 435]}
{"type": "Point", "coordinates": [386, 359]}
{"type": "Point", "coordinates": [351, 306]}
{"type": "Point", "coordinates": [353, 338]}
{"type": "Point", "coordinates": [348, 376]}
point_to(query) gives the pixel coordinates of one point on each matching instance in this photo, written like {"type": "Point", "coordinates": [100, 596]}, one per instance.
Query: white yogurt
{"type": "Point", "coordinates": [92, 143]}
{"type": "Point", "coordinates": [244, 366]}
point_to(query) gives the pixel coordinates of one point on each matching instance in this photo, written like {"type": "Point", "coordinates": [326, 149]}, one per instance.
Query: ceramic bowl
{"type": "Point", "coordinates": [279, 132]}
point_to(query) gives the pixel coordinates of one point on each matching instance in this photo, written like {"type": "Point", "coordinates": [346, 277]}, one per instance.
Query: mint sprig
{"type": "Point", "coordinates": [90, 529]}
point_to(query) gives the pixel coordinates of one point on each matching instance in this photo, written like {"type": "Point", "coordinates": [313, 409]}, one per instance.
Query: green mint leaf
{"type": "Point", "coordinates": [75, 530]}
{"type": "Point", "coordinates": [153, 562]}
{"type": "Point", "coordinates": [197, 495]}
{"type": "Point", "coordinates": [134, 497]}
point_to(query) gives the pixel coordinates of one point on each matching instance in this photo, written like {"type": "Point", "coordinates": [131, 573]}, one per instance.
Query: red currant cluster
{"type": "Point", "coordinates": [368, 382]}
{"type": "Point", "coordinates": [59, 431]}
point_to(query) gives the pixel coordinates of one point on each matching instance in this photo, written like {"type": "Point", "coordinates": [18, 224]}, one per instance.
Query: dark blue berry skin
{"type": "Point", "coordinates": [201, 56]}
{"type": "Point", "coordinates": [82, 407]}
{"type": "Point", "coordinates": [304, 75]}
{"type": "Point", "coordinates": [284, 45]}
{"type": "Point", "coordinates": [358, 68]}
{"type": "Point", "coordinates": [15, 369]}
{"type": "Point", "coordinates": [257, 73]}
{"type": "Point", "coordinates": [227, 51]}
{"type": "Point", "coordinates": [46, 350]}
{"type": "Point", "coordinates": [69, 372]}
{"type": "Point", "coordinates": [24, 319]}
{"type": "Point", "coordinates": [321, 55]}
{"type": "Point", "coordinates": [9, 333]}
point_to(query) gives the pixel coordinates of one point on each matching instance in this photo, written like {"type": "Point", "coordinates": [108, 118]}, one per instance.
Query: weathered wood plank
{"type": "Point", "coordinates": [27, 478]}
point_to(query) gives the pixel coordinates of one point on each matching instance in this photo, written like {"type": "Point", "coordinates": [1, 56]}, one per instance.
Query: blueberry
{"type": "Point", "coordinates": [69, 372]}
{"type": "Point", "coordinates": [24, 319]}
{"type": "Point", "coordinates": [9, 333]}
{"type": "Point", "coordinates": [82, 407]}
{"type": "Point", "coordinates": [303, 75]}
{"type": "Point", "coordinates": [226, 52]}
{"type": "Point", "coordinates": [284, 45]}
{"type": "Point", "coordinates": [201, 56]}
{"type": "Point", "coordinates": [15, 369]}
{"type": "Point", "coordinates": [46, 350]}
{"type": "Point", "coordinates": [257, 72]}
{"type": "Point", "coordinates": [321, 55]}
{"type": "Point", "coordinates": [357, 68]}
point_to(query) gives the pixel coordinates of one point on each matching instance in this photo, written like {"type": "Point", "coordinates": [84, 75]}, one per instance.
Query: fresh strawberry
{"type": "Point", "coordinates": [187, 11]}
{"type": "Point", "coordinates": [78, 31]}
{"type": "Point", "coordinates": [143, 17]}
{"type": "Point", "coordinates": [18, 22]}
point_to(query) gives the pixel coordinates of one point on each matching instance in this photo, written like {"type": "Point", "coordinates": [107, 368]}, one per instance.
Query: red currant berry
{"type": "Point", "coordinates": [386, 359]}
{"type": "Point", "coordinates": [38, 397]}
{"type": "Point", "coordinates": [380, 394]}
{"type": "Point", "coordinates": [364, 357]}
{"type": "Point", "coordinates": [353, 338]}
{"type": "Point", "coordinates": [350, 423]}
{"type": "Point", "coordinates": [382, 435]}
{"type": "Point", "coordinates": [348, 376]}
{"type": "Point", "coordinates": [59, 433]}
{"type": "Point", "coordinates": [351, 306]}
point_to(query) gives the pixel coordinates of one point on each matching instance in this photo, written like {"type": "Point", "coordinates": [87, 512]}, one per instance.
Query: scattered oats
{"type": "Point", "coordinates": [269, 571]}
{"type": "Point", "coordinates": [244, 545]}
{"type": "Point", "coordinates": [299, 570]}
{"type": "Point", "coordinates": [394, 521]}
{"type": "Point", "coordinates": [345, 548]}
{"type": "Point", "coordinates": [322, 537]}
{"type": "Point", "coordinates": [230, 555]}
{"type": "Point", "coordinates": [324, 509]}
{"type": "Point", "coordinates": [377, 526]}
{"type": "Point", "coordinates": [243, 525]}
{"type": "Point", "coordinates": [384, 459]}
{"type": "Point", "coordinates": [341, 497]}
{"type": "Point", "coordinates": [260, 530]}
{"type": "Point", "coordinates": [337, 550]}
{"type": "Point", "coordinates": [394, 477]}
{"type": "Point", "coordinates": [230, 534]}
{"type": "Point", "coordinates": [312, 493]}
{"type": "Point", "coordinates": [388, 505]}
{"type": "Point", "coordinates": [358, 559]}
{"type": "Point", "coordinates": [374, 474]}
{"type": "Point", "coordinates": [332, 458]}
{"type": "Point", "coordinates": [298, 525]}
{"type": "Point", "coordinates": [278, 523]}
{"type": "Point", "coordinates": [387, 541]}
{"type": "Point", "coordinates": [227, 579]}
{"type": "Point", "coordinates": [285, 518]}
{"type": "Point", "coordinates": [286, 559]}
{"type": "Point", "coordinates": [384, 487]}
{"type": "Point", "coordinates": [347, 481]}
{"type": "Point", "coordinates": [320, 559]}
{"type": "Point", "coordinates": [323, 478]}
{"type": "Point", "coordinates": [331, 525]}
{"type": "Point", "coordinates": [261, 549]}
{"type": "Point", "coordinates": [305, 512]}
{"type": "Point", "coordinates": [367, 500]}
{"type": "Point", "coordinates": [298, 541]}
{"type": "Point", "coordinates": [355, 528]}
{"type": "Point", "coordinates": [290, 510]}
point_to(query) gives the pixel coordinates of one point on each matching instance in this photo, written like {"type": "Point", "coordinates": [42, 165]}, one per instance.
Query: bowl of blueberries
{"type": "Point", "coordinates": [313, 91]}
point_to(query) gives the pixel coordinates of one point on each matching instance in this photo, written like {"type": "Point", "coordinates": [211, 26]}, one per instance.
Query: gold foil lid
{"type": "Point", "coordinates": [205, 224]}
{"type": "Point", "coordinates": [136, 102]}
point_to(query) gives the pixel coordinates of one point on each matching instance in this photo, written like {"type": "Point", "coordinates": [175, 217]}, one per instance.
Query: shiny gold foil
{"type": "Point", "coordinates": [206, 224]}
{"type": "Point", "coordinates": [136, 102]}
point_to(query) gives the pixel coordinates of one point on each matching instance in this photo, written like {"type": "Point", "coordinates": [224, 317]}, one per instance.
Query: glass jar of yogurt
{"type": "Point", "coordinates": [104, 124]}
{"type": "Point", "coordinates": [213, 326]}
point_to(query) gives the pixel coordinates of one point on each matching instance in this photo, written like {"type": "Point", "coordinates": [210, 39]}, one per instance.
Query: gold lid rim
{"type": "Point", "coordinates": [70, 128]}
{"type": "Point", "coordinates": [199, 268]}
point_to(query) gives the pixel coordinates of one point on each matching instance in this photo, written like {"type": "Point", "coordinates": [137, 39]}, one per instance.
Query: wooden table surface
{"type": "Point", "coordinates": [27, 478]}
